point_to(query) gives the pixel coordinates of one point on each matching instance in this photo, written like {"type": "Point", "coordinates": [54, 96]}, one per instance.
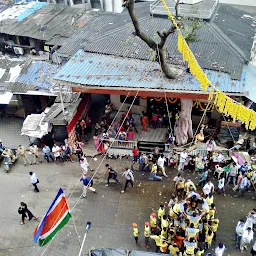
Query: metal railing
{"type": "Point", "coordinates": [157, 8]}
{"type": "Point", "coordinates": [123, 144]}
{"type": "Point", "coordinates": [201, 151]}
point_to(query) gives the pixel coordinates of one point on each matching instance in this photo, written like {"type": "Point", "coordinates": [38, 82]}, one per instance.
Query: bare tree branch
{"type": "Point", "coordinates": [149, 41]}
{"type": "Point", "coordinates": [176, 8]}
{"type": "Point", "coordinates": [164, 35]}
{"type": "Point", "coordinates": [159, 48]}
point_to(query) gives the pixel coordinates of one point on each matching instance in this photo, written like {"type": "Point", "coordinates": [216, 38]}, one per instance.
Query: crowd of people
{"type": "Point", "coordinates": [187, 225]}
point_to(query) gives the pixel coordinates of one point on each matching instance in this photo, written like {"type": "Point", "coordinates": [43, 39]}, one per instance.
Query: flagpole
{"type": "Point", "coordinates": [88, 225]}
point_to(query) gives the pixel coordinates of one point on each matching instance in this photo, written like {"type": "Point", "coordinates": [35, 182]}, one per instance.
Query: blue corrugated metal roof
{"type": "Point", "coordinates": [32, 9]}
{"type": "Point", "coordinates": [101, 70]}
{"type": "Point", "coordinates": [38, 74]}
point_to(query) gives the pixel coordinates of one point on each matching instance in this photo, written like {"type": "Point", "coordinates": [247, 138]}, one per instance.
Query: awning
{"type": "Point", "coordinates": [5, 98]}
{"type": "Point", "coordinates": [33, 126]}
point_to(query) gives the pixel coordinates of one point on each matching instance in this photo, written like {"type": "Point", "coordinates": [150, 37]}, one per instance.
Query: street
{"type": "Point", "coordinates": [110, 212]}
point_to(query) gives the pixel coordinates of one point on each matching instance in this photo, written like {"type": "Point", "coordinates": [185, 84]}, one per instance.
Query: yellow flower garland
{"type": "Point", "coordinates": [229, 107]}
{"type": "Point", "coordinates": [158, 99]}
{"type": "Point", "coordinates": [223, 103]}
{"type": "Point", "coordinates": [172, 100]}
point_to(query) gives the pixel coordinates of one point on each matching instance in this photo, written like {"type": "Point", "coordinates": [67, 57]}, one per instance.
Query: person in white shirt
{"type": "Point", "coordinates": [221, 185]}
{"type": "Point", "coordinates": [183, 159]}
{"type": "Point", "coordinates": [129, 178]}
{"type": "Point", "coordinates": [210, 144]}
{"type": "Point", "coordinates": [219, 251]}
{"type": "Point", "coordinates": [34, 181]}
{"type": "Point", "coordinates": [208, 188]}
{"type": "Point", "coordinates": [56, 152]}
{"type": "Point", "coordinates": [105, 135]}
{"type": "Point", "coordinates": [246, 239]}
{"type": "Point", "coordinates": [160, 163]}
{"type": "Point", "coordinates": [84, 165]}
{"type": "Point", "coordinates": [219, 158]}
{"type": "Point", "coordinates": [253, 251]}
{"type": "Point", "coordinates": [233, 174]}
{"type": "Point", "coordinates": [240, 228]}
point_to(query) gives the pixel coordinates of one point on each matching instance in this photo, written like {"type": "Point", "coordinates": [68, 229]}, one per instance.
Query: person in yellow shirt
{"type": "Point", "coordinates": [190, 247]}
{"type": "Point", "coordinates": [147, 234]}
{"type": "Point", "coordinates": [192, 232]}
{"type": "Point", "coordinates": [176, 210]}
{"type": "Point", "coordinates": [157, 240]}
{"type": "Point", "coordinates": [212, 211]}
{"type": "Point", "coordinates": [171, 235]}
{"type": "Point", "coordinates": [153, 173]}
{"type": "Point", "coordinates": [153, 222]}
{"type": "Point", "coordinates": [249, 174]}
{"type": "Point", "coordinates": [180, 187]}
{"type": "Point", "coordinates": [205, 226]}
{"type": "Point", "coordinates": [164, 222]}
{"type": "Point", "coordinates": [160, 213]}
{"type": "Point", "coordinates": [199, 251]}
{"type": "Point", "coordinates": [208, 239]}
{"type": "Point", "coordinates": [164, 232]}
{"type": "Point", "coordinates": [209, 199]}
{"type": "Point", "coordinates": [173, 249]}
{"type": "Point", "coordinates": [163, 246]}
{"type": "Point", "coordinates": [135, 233]}
{"type": "Point", "coordinates": [214, 224]}
{"type": "Point", "coordinates": [193, 219]}
{"type": "Point", "coordinates": [189, 185]}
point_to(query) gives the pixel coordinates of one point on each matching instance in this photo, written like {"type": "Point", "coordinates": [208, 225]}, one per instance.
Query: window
{"type": "Point", "coordinates": [129, 100]}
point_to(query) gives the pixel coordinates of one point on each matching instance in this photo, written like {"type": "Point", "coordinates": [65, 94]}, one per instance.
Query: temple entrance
{"type": "Point", "coordinates": [157, 107]}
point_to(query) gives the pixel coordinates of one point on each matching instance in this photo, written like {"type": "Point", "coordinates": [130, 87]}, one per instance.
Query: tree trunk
{"type": "Point", "coordinates": [183, 126]}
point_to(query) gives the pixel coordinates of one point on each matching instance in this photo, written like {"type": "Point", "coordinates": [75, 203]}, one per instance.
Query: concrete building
{"type": "Point", "coordinates": [114, 6]}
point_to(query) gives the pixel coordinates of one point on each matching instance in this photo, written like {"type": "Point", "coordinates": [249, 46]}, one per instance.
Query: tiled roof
{"type": "Point", "coordinates": [211, 51]}
{"type": "Point", "coordinates": [19, 12]}
{"type": "Point", "coordinates": [236, 27]}
{"type": "Point", "coordinates": [113, 35]}
{"type": "Point", "coordinates": [102, 24]}
{"type": "Point", "coordinates": [99, 70]}
{"type": "Point", "coordinates": [36, 76]}
{"type": "Point", "coordinates": [6, 70]}
{"type": "Point", "coordinates": [50, 22]}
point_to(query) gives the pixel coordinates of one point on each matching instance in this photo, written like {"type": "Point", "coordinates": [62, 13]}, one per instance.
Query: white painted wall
{"type": "Point", "coordinates": [118, 6]}
{"type": "Point", "coordinates": [114, 6]}
{"type": "Point", "coordinates": [239, 2]}
{"type": "Point", "coordinates": [253, 52]}
{"type": "Point", "coordinates": [108, 5]}
{"type": "Point", "coordinates": [115, 100]}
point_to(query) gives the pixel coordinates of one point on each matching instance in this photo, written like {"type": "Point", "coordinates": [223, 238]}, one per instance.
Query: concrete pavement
{"type": "Point", "coordinates": [110, 212]}
{"type": "Point", "coordinates": [10, 132]}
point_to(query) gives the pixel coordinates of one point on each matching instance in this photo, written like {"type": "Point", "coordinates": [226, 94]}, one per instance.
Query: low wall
{"type": "Point", "coordinates": [239, 2]}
